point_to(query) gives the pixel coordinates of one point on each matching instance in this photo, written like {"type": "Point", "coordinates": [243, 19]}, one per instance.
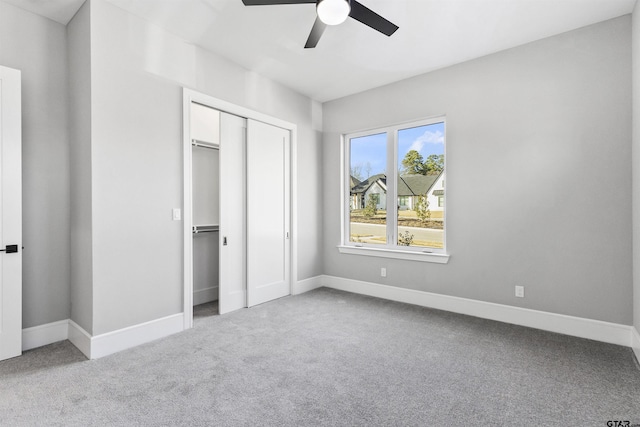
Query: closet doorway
{"type": "Point", "coordinates": [237, 205]}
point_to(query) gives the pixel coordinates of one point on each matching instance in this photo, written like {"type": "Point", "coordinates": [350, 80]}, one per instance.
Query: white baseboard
{"type": "Point", "coordinates": [202, 296]}
{"type": "Point", "coordinates": [306, 285]}
{"type": "Point", "coordinates": [612, 333]}
{"type": "Point", "coordinates": [635, 343]}
{"type": "Point", "coordinates": [49, 333]}
{"type": "Point", "coordinates": [102, 345]}
{"type": "Point", "coordinates": [122, 339]}
{"type": "Point", "coordinates": [80, 338]}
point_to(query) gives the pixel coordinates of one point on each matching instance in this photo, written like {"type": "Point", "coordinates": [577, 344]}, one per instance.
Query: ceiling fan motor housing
{"type": "Point", "coordinates": [333, 12]}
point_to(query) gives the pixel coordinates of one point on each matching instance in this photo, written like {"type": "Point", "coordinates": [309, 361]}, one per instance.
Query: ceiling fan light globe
{"type": "Point", "coordinates": [333, 12]}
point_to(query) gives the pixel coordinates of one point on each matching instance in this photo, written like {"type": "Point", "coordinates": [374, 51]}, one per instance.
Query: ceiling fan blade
{"type": "Point", "coordinates": [369, 17]}
{"type": "Point", "coordinates": [316, 32]}
{"type": "Point", "coordinates": [271, 2]}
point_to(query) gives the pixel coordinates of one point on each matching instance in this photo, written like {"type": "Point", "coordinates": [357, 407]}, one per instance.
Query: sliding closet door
{"type": "Point", "coordinates": [268, 243]}
{"type": "Point", "coordinates": [232, 213]}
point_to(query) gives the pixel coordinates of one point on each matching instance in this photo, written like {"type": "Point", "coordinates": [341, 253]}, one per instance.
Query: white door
{"type": "Point", "coordinates": [232, 295]}
{"type": "Point", "coordinates": [268, 243]}
{"type": "Point", "coordinates": [10, 214]}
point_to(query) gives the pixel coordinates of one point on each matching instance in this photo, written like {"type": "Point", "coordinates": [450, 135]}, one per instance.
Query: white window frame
{"type": "Point", "coordinates": [391, 249]}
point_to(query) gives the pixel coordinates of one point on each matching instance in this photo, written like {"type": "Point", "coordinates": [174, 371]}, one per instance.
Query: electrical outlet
{"type": "Point", "coordinates": [383, 272]}
{"type": "Point", "coordinates": [520, 291]}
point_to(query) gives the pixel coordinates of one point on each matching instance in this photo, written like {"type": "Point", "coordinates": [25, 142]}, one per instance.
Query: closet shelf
{"type": "Point", "coordinates": [205, 228]}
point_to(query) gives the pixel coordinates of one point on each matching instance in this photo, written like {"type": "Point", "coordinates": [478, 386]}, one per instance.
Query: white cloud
{"type": "Point", "coordinates": [428, 137]}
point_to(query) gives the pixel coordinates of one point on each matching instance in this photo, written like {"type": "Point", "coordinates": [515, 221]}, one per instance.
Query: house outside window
{"type": "Point", "coordinates": [403, 209]}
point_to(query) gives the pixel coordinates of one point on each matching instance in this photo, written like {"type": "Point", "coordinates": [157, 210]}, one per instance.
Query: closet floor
{"type": "Point", "coordinates": [205, 310]}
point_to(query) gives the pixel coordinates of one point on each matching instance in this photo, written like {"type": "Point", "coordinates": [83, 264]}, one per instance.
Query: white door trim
{"type": "Point", "coordinates": [11, 213]}
{"type": "Point", "coordinates": [188, 96]}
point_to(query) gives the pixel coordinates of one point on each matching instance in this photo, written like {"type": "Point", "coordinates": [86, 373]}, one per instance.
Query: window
{"type": "Point", "coordinates": [395, 188]}
{"type": "Point", "coordinates": [367, 173]}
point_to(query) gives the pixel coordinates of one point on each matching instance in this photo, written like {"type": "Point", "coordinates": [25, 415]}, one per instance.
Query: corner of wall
{"type": "Point", "coordinates": [306, 285]}
{"type": "Point", "coordinates": [79, 66]}
{"type": "Point", "coordinates": [80, 338]}
{"type": "Point", "coordinates": [635, 144]}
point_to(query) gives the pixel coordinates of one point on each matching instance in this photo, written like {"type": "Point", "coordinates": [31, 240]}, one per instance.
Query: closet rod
{"type": "Point", "coordinates": [205, 229]}
{"type": "Point", "coordinates": [204, 144]}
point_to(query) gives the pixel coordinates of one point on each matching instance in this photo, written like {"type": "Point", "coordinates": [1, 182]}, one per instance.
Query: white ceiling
{"type": "Point", "coordinates": [352, 57]}
{"type": "Point", "coordinates": [59, 10]}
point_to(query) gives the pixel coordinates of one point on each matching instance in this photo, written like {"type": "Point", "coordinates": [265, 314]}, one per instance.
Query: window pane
{"type": "Point", "coordinates": [368, 189]}
{"type": "Point", "coordinates": [421, 186]}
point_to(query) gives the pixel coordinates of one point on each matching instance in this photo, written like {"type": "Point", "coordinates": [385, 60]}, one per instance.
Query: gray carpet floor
{"type": "Point", "coordinates": [329, 358]}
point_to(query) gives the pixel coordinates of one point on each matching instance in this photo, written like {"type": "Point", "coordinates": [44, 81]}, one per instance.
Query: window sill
{"type": "Point", "coordinates": [394, 253]}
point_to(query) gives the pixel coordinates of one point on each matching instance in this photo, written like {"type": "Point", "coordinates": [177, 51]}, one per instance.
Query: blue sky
{"type": "Point", "coordinates": [371, 150]}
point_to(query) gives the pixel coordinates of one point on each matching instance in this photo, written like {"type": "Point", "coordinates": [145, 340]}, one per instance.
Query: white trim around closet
{"type": "Point", "coordinates": [188, 97]}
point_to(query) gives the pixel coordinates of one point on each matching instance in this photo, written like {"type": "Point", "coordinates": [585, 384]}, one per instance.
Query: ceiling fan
{"type": "Point", "coordinates": [334, 12]}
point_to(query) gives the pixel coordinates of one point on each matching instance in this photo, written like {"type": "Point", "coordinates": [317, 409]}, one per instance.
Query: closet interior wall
{"type": "Point", "coordinates": [205, 163]}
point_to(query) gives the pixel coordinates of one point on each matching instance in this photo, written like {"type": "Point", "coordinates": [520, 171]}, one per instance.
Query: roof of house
{"type": "Point", "coordinates": [413, 185]}
{"type": "Point", "coordinates": [363, 186]}
{"type": "Point", "coordinates": [354, 181]}
{"type": "Point", "coordinates": [408, 185]}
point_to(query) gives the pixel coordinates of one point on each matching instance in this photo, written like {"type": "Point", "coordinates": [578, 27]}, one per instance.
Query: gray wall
{"type": "Point", "coordinates": [37, 47]}
{"type": "Point", "coordinates": [636, 164]}
{"type": "Point", "coordinates": [137, 74]}
{"type": "Point", "coordinates": [538, 179]}
{"type": "Point", "coordinates": [79, 43]}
